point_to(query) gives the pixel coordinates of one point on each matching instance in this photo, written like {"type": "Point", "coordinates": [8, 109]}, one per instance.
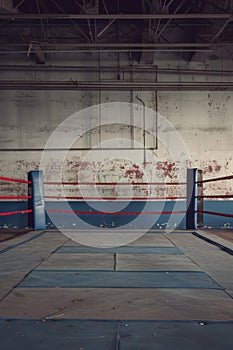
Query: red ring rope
{"type": "Point", "coordinates": [216, 179]}
{"type": "Point", "coordinates": [114, 213]}
{"type": "Point", "coordinates": [114, 183]}
{"type": "Point", "coordinates": [14, 180]}
{"type": "Point", "coordinates": [114, 198]}
{"type": "Point", "coordinates": [16, 212]}
{"type": "Point", "coordinates": [216, 196]}
{"type": "Point", "coordinates": [215, 213]}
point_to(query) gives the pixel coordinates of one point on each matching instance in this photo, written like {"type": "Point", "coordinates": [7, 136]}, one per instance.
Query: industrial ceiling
{"type": "Point", "coordinates": [139, 28]}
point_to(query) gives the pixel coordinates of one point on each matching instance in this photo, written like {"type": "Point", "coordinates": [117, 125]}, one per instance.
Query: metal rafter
{"type": "Point", "coordinates": [119, 45]}
{"type": "Point", "coordinates": [73, 22]}
{"type": "Point", "coordinates": [205, 2]}
{"type": "Point", "coordinates": [159, 21]}
{"type": "Point", "coordinates": [106, 28]}
{"type": "Point", "coordinates": [120, 16]}
{"type": "Point", "coordinates": [184, 30]}
{"type": "Point", "coordinates": [196, 35]}
{"type": "Point", "coordinates": [225, 24]}
{"type": "Point", "coordinates": [143, 4]}
{"type": "Point", "coordinates": [220, 31]}
{"type": "Point", "coordinates": [169, 21]}
{"type": "Point", "coordinates": [178, 26]}
{"type": "Point", "coordinates": [111, 21]}
{"type": "Point", "coordinates": [43, 5]}
{"type": "Point", "coordinates": [110, 36]}
{"type": "Point", "coordinates": [88, 22]}
{"type": "Point", "coordinates": [225, 5]}
{"type": "Point", "coordinates": [41, 21]}
{"type": "Point", "coordinates": [19, 4]}
{"type": "Point", "coordinates": [151, 5]}
{"type": "Point", "coordinates": [171, 49]}
{"type": "Point", "coordinates": [105, 6]}
{"type": "Point", "coordinates": [79, 5]}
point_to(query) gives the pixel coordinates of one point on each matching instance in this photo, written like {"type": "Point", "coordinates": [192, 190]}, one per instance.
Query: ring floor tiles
{"type": "Point", "coordinates": [118, 279]}
{"type": "Point", "coordinates": [127, 335]}
{"type": "Point", "coordinates": [162, 291]}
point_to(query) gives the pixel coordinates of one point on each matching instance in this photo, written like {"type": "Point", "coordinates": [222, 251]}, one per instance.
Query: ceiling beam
{"type": "Point", "coordinates": [119, 45]}
{"type": "Point", "coordinates": [115, 85]}
{"type": "Point", "coordinates": [64, 16]}
{"type": "Point", "coordinates": [192, 49]}
{"type": "Point", "coordinates": [125, 68]}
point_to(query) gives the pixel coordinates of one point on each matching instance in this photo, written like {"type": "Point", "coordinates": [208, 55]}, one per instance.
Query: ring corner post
{"type": "Point", "coordinates": [191, 205]}
{"type": "Point", "coordinates": [36, 219]}
{"type": "Point", "coordinates": [200, 203]}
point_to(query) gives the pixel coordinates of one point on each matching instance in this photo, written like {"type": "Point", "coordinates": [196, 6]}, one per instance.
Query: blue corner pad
{"type": "Point", "coordinates": [191, 213]}
{"type": "Point", "coordinates": [37, 202]}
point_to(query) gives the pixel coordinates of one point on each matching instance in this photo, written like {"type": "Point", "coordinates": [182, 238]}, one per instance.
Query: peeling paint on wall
{"type": "Point", "coordinates": [168, 169]}
{"type": "Point", "coordinates": [203, 119]}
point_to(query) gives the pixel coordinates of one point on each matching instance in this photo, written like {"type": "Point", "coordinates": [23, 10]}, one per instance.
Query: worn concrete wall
{"type": "Point", "coordinates": [203, 119]}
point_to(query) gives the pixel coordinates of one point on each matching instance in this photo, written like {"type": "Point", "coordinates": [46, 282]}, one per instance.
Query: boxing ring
{"type": "Point", "coordinates": [39, 208]}
{"type": "Point", "coordinates": [167, 287]}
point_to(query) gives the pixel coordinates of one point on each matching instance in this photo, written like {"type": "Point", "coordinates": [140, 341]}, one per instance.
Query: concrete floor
{"type": "Point", "coordinates": [175, 278]}
{"type": "Point", "coordinates": [225, 234]}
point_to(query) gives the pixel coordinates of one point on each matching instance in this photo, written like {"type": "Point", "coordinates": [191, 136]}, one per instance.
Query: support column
{"type": "Point", "coordinates": [191, 204]}
{"type": "Point", "coordinates": [36, 219]}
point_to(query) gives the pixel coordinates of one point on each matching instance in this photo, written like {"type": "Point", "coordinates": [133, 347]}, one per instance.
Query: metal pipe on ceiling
{"type": "Point", "coordinates": [12, 24]}
{"type": "Point", "coordinates": [136, 69]}
{"type": "Point", "coordinates": [114, 85]}
{"type": "Point", "coordinates": [112, 45]}
{"type": "Point", "coordinates": [70, 16]}
{"type": "Point", "coordinates": [12, 52]}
